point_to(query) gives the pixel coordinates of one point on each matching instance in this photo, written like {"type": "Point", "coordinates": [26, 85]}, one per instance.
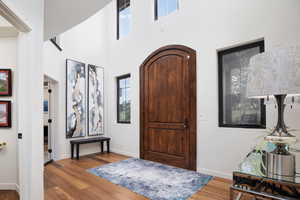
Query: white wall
{"type": "Point", "coordinates": [8, 156]}
{"type": "Point", "coordinates": [203, 25]}
{"type": "Point", "coordinates": [85, 43]}
{"type": "Point", "coordinates": [6, 29]}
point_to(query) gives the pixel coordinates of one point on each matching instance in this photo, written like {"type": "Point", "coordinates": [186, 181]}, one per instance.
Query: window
{"type": "Point", "coordinates": [235, 109]}
{"type": "Point", "coordinates": [165, 7]}
{"type": "Point", "coordinates": [123, 18]}
{"type": "Point", "coordinates": [123, 101]}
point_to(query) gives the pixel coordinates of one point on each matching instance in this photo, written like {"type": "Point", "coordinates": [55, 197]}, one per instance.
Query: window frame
{"type": "Point", "coordinates": [118, 18]}
{"type": "Point", "coordinates": [220, 54]}
{"type": "Point", "coordinates": [56, 41]}
{"type": "Point", "coordinates": [119, 78]}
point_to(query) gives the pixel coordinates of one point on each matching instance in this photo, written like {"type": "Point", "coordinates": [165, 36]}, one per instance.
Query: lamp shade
{"type": "Point", "coordinates": [275, 72]}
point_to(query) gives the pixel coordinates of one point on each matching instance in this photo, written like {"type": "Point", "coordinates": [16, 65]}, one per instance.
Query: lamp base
{"type": "Point", "coordinates": [281, 162]}
{"type": "Point", "coordinates": [280, 134]}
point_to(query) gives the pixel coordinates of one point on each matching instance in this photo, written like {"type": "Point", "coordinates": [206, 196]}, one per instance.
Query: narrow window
{"type": "Point", "coordinates": [123, 18]}
{"type": "Point", "coordinates": [123, 101]}
{"type": "Point", "coordinates": [165, 7]}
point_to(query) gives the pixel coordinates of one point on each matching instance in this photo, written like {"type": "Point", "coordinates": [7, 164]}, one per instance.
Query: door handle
{"type": "Point", "coordinates": [186, 123]}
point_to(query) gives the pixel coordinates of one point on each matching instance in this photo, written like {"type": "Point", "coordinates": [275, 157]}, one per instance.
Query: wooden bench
{"type": "Point", "coordinates": [87, 141]}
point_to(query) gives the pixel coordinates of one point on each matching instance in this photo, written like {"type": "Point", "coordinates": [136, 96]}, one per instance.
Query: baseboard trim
{"type": "Point", "coordinates": [9, 186]}
{"type": "Point", "coordinates": [18, 189]}
{"type": "Point", "coordinates": [215, 173]}
{"type": "Point", "coordinates": [125, 153]}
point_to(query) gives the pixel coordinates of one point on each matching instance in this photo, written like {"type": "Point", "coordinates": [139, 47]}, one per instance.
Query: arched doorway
{"type": "Point", "coordinates": [168, 107]}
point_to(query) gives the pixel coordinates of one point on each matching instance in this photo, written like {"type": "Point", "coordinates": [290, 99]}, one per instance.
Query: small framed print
{"type": "Point", "coordinates": [5, 114]}
{"type": "Point", "coordinates": [5, 82]}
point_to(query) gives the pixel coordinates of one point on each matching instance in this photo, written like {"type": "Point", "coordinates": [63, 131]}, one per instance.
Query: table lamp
{"type": "Point", "coordinates": [276, 73]}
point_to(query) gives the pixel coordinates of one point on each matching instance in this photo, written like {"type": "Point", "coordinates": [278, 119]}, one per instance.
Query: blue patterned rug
{"type": "Point", "coordinates": [153, 180]}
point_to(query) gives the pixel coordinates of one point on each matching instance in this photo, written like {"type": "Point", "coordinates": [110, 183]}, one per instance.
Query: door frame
{"type": "Point", "coordinates": [193, 100]}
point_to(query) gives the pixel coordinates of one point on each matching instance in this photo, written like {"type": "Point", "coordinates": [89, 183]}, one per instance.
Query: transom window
{"type": "Point", "coordinates": [123, 101]}
{"type": "Point", "coordinates": [123, 18]}
{"type": "Point", "coordinates": [165, 7]}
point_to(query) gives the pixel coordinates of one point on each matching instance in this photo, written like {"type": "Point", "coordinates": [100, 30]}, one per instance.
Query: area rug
{"type": "Point", "coordinates": [153, 180]}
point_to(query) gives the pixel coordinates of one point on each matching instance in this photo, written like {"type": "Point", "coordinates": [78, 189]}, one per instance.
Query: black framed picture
{"type": "Point", "coordinates": [5, 114]}
{"type": "Point", "coordinates": [235, 109]}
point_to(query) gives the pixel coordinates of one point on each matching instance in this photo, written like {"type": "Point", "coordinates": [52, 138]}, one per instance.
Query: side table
{"type": "Point", "coordinates": [250, 182]}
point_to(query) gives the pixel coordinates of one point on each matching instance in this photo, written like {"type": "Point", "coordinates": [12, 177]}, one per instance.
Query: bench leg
{"type": "Point", "coordinates": [77, 151]}
{"type": "Point", "coordinates": [101, 146]}
{"type": "Point", "coordinates": [72, 151]}
{"type": "Point", "coordinates": [107, 143]}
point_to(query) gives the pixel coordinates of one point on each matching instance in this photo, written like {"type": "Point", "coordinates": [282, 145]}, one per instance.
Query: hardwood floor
{"type": "Point", "coordinates": [8, 195]}
{"type": "Point", "coordinates": [68, 180]}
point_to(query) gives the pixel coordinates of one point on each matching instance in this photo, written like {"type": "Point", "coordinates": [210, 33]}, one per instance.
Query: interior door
{"type": "Point", "coordinates": [168, 107]}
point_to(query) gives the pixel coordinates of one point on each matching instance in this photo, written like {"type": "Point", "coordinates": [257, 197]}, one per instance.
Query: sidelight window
{"type": "Point", "coordinates": [123, 99]}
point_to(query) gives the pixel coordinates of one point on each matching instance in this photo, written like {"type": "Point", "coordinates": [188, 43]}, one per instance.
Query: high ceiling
{"type": "Point", "coordinates": [61, 15]}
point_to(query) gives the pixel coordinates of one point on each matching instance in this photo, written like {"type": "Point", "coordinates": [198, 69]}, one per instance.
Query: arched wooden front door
{"type": "Point", "coordinates": [168, 107]}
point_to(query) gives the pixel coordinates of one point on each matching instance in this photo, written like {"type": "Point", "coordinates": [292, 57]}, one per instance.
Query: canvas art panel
{"type": "Point", "coordinates": [5, 114]}
{"type": "Point", "coordinates": [95, 100]}
{"type": "Point", "coordinates": [5, 82]}
{"type": "Point", "coordinates": [75, 99]}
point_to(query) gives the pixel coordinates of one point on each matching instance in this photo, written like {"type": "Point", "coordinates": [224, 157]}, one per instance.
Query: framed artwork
{"type": "Point", "coordinates": [75, 99]}
{"type": "Point", "coordinates": [235, 109]}
{"type": "Point", "coordinates": [5, 82]}
{"type": "Point", "coordinates": [5, 114]}
{"type": "Point", "coordinates": [95, 100]}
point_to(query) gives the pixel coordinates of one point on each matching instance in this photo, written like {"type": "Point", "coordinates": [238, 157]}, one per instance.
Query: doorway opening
{"type": "Point", "coordinates": [48, 109]}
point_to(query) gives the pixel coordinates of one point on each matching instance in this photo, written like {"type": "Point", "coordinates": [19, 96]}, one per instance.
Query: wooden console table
{"type": "Point", "coordinates": [250, 182]}
{"type": "Point", "coordinates": [86, 141]}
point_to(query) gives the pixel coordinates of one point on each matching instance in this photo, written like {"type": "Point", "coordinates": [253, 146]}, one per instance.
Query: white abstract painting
{"type": "Point", "coordinates": [76, 99]}
{"type": "Point", "coordinates": [95, 100]}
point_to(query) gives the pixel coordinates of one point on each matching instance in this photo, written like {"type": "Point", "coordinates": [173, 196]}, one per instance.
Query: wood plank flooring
{"type": "Point", "coordinates": [8, 195]}
{"type": "Point", "coordinates": [68, 180]}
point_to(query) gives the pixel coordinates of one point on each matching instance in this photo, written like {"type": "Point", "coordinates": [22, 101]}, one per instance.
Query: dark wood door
{"type": "Point", "coordinates": [168, 107]}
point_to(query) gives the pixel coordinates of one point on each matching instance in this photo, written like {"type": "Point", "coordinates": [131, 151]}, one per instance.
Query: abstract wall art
{"type": "Point", "coordinates": [75, 99]}
{"type": "Point", "coordinates": [95, 100]}
{"type": "Point", "coordinates": [5, 82]}
{"type": "Point", "coordinates": [5, 114]}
